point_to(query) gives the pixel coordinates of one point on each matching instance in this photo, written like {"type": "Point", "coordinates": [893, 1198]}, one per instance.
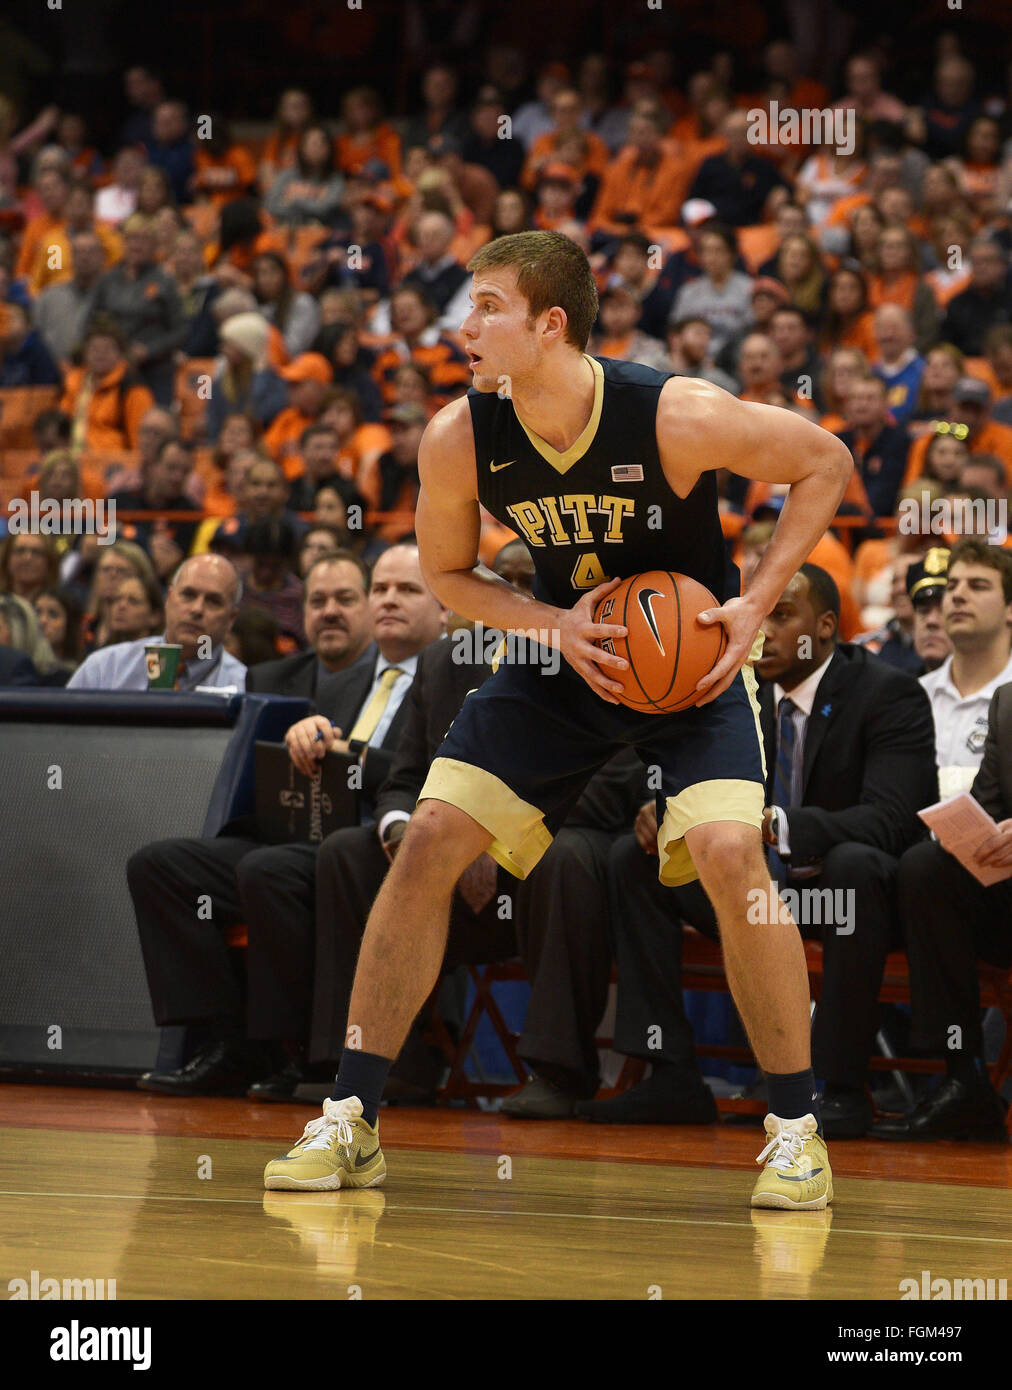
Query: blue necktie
{"type": "Point", "coordinates": [783, 775]}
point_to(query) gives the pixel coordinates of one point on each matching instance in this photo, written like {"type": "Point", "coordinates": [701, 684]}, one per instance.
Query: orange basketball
{"type": "Point", "coordinates": [668, 651]}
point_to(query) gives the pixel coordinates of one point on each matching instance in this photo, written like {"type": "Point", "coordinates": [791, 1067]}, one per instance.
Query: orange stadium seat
{"type": "Point", "coordinates": [20, 407]}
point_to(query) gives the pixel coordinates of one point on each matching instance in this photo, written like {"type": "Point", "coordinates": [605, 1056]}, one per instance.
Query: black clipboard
{"type": "Point", "coordinates": [294, 809]}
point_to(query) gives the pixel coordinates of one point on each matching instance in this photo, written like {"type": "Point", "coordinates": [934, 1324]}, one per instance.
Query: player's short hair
{"type": "Point", "coordinates": [822, 588]}
{"type": "Point", "coordinates": [972, 550]}
{"type": "Point", "coordinates": [551, 271]}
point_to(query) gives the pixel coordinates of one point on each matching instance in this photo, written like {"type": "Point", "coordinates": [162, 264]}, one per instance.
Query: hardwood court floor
{"type": "Point", "coordinates": [104, 1184]}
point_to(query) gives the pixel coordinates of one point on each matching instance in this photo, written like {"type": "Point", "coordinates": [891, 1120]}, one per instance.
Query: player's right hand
{"type": "Point", "coordinates": [578, 639]}
{"type": "Point", "coordinates": [304, 748]}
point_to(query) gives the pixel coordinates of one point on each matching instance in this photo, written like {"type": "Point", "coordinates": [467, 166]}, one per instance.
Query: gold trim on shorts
{"type": "Point", "coordinates": [521, 836]}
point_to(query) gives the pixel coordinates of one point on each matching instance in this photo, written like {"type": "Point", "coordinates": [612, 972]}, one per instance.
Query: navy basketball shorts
{"type": "Point", "coordinates": [525, 744]}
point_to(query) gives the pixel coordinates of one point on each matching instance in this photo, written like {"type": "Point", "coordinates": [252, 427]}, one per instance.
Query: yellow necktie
{"type": "Point", "coordinates": [365, 724]}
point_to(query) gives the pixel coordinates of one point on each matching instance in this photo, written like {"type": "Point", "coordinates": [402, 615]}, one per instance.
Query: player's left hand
{"type": "Point", "coordinates": [741, 623]}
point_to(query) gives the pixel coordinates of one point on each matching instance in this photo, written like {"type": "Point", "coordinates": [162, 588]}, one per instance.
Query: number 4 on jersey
{"type": "Point", "coordinates": [587, 572]}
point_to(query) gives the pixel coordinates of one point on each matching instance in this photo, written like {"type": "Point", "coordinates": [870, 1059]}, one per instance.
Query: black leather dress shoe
{"type": "Point", "coordinates": [655, 1101]}
{"type": "Point", "coordinates": [223, 1069]}
{"type": "Point", "coordinates": [846, 1116]}
{"type": "Point", "coordinates": [954, 1110]}
{"type": "Point", "coordinates": [281, 1085]}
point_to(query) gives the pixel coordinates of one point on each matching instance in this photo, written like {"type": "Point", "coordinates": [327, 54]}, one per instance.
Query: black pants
{"type": "Point", "coordinates": [350, 869]}
{"type": "Point", "coordinates": [951, 922]}
{"type": "Point", "coordinates": [646, 917]}
{"type": "Point", "coordinates": [562, 928]}
{"type": "Point", "coordinates": [188, 892]}
{"type": "Point", "coordinates": [558, 915]}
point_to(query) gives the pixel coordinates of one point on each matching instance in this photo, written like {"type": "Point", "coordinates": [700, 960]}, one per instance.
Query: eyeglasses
{"type": "Point", "coordinates": [958, 431]}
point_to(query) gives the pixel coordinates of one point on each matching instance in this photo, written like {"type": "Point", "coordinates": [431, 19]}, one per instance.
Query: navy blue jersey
{"type": "Point", "coordinates": [603, 509]}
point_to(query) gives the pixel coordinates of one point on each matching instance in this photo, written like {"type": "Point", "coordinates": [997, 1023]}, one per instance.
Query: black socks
{"type": "Point", "coordinates": [362, 1074]}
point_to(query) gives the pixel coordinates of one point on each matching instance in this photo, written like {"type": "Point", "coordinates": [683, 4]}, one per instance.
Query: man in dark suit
{"type": "Point", "coordinates": [187, 892]}
{"type": "Point", "coordinates": [849, 749]}
{"type": "Point", "coordinates": [951, 921]}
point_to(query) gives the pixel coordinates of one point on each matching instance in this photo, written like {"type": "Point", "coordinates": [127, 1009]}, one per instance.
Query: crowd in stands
{"type": "Point", "coordinates": [239, 340]}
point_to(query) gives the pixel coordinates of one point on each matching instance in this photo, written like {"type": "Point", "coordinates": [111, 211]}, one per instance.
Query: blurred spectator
{"type": "Point", "coordinates": [898, 282]}
{"type": "Point", "coordinates": [945, 456]}
{"type": "Point", "coordinates": [898, 362]}
{"type": "Point", "coordinates": [145, 303]}
{"type": "Point", "coordinates": [843, 368]}
{"type": "Point", "coordinates": [105, 397]}
{"type": "Point", "coordinates": [311, 189]}
{"type": "Point", "coordinates": [244, 382]}
{"type": "Point", "coordinates": [481, 144]}
{"type": "Point", "coordinates": [63, 310]}
{"type": "Point", "coordinates": [391, 484]}
{"type": "Point", "coordinates": [223, 169]}
{"type": "Point", "coordinates": [200, 607]}
{"type": "Point", "coordinates": [759, 368]}
{"type": "Point", "coordinates": [51, 189]}
{"type": "Point", "coordinates": [799, 270]}
{"type": "Point", "coordinates": [60, 621]}
{"type": "Point", "coordinates": [894, 640]}
{"type": "Point", "coordinates": [162, 481]}
{"type": "Point", "coordinates": [197, 291]}
{"type": "Point", "coordinates": [985, 302]}
{"type": "Point", "coordinates": [951, 108]}
{"type": "Point", "coordinates": [318, 451]}
{"type": "Point", "coordinates": [864, 95]}
{"type": "Point", "coordinates": [366, 136]}
{"type": "Point", "coordinates": [439, 114]}
{"type": "Point", "coordinates": [294, 112]}
{"type": "Point", "coordinates": [534, 118]}
{"type": "Point", "coordinates": [318, 543]}
{"type": "Point", "coordinates": [295, 314]}
{"type": "Point", "coordinates": [144, 91]}
{"type": "Point", "coordinates": [619, 336]}
{"type": "Point", "coordinates": [29, 564]}
{"type": "Point", "coordinates": [567, 113]}
{"type": "Point", "coordinates": [136, 609]}
{"type": "Point", "coordinates": [688, 343]}
{"type": "Point", "coordinates": [878, 445]}
{"type": "Point", "coordinates": [24, 358]}
{"type": "Point", "coordinates": [800, 372]}
{"type": "Point", "coordinates": [253, 639]}
{"type": "Point", "coordinates": [737, 182]}
{"type": "Point", "coordinates": [645, 186]}
{"type": "Point", "coordinates": [943, 368]}
{"type": "Point", "coordinates": [971, 402]}
{"type": "Point", "coordinates": [418, 339]}
{"type": "Point", "coordinates": [118, 200]}
{"type": "Point", "coordinates": [998, 350]}
{"type": "Point", "coordinates": [112, 565]}
{"type": "Point", "coordinates": [439, 273]}
{"type": "Point", "coordinates": [170, 148]}
{"type": "Point", "coordinates": [721, 294]}
{"type": "Point", "coordinates": [25, 634]}
{"type": "Point", "coordinates": [308, 378]}
{"type": "Point", "coordinates": [54, 261]}
{"type": "Point", "coordinates": [273, 586]}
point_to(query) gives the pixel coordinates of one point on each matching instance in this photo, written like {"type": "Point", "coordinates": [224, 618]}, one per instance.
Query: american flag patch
{"type": "Point", "coordinates": [627, 473]}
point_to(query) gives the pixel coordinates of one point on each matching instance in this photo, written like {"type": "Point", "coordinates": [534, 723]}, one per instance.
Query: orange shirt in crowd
{"type": "Point", "coordinates": [383, 142]}
{"type": "Point", "coordinates": [993, 438]}
{"type": "Point", "coordinates": [356, 460]}
{"type": "Point", "coordinates": [860, 335]}
{"type": "Point", "coordinates": [653, 194]}
{"type": "Point", "coordinates": [442, 360]}
{"type": "Point", "coordinates": [900, 290]}
{"type": "Point", "coordinates": [41, 275]}
{"type": "Point", "coordinates": [595, 161]}
{"type": "Point", "coordinates": [281, 440]}
{"type": "Point", "coordinates": [106, 414]}
{"type": "Point", "coordinates": [222, 178]}
{"type": "Point", "coordinates": [37, 235]}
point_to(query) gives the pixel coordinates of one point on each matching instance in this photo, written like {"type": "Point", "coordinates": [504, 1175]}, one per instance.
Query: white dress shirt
{"type": "Point", "coordinates": [960, 726]}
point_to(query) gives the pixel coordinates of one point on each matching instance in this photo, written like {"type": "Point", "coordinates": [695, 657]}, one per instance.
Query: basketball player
{"type": "Point", "coordinates": [606, 469]}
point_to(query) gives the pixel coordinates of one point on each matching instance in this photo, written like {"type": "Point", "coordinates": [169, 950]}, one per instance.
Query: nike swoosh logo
{"type": "Point", "coordinates": [497, 467]}
{"type": "Point", "coordinates": [361, 1159]}
{"type": "Point", "coordinates": [802, 1177]}
{"type": "Point", "coordinates": [646, 601]}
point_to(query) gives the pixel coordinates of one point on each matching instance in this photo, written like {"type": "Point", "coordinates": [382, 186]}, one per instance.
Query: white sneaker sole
{"type": "Point", "coordinates": [330, 1182]}
{"type": "Point", "coordinates": [775, 1201]}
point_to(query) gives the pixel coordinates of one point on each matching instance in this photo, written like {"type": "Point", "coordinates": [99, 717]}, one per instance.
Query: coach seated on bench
{"type": "Point", "coordinates": [849, 752]}
{"type": "Point", "coordinates": [190, 975]}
